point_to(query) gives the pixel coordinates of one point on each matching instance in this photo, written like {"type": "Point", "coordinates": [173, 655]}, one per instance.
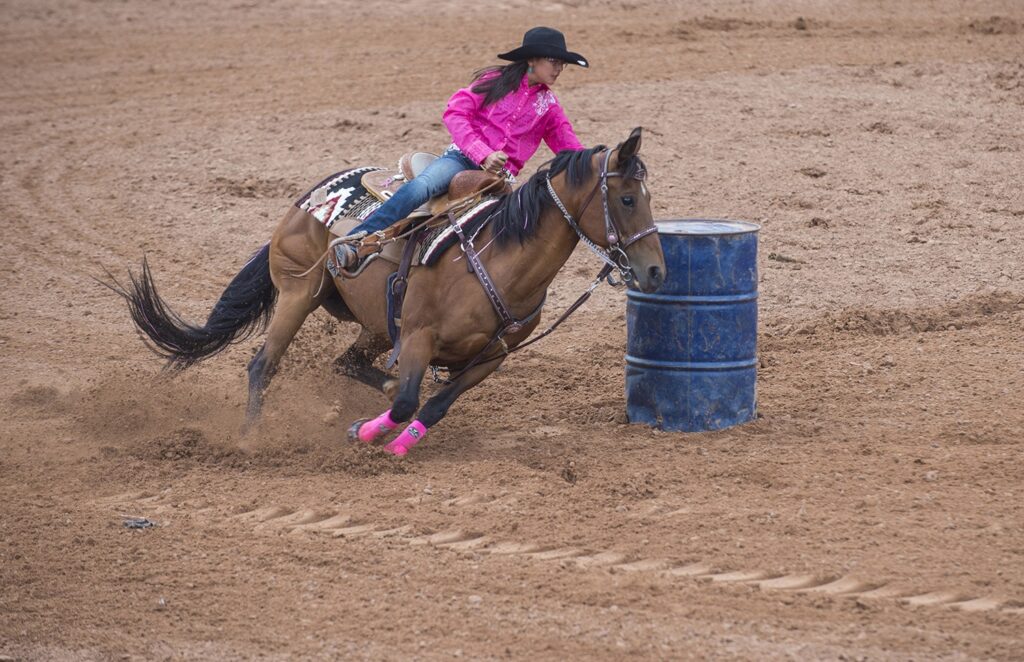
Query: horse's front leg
{"type": "Point", "coordinates": [437, 406]}
{"type": "Point", "coordinates": [417, 350]}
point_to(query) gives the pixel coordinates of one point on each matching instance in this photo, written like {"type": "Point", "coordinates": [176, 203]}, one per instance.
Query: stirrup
{"type": "Point", "coordinates": [345, 256]}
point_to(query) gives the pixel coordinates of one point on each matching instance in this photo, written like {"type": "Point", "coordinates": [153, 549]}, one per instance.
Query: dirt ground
{"type": "Point", "coordinates": [871, 512]}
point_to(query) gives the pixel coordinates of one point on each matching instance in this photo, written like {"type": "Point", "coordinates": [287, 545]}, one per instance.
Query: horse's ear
{"type": "Point", "coordinates": [631, 147]}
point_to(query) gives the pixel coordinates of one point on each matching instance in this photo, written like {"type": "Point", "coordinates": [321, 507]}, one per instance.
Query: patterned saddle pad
{"type": "Point", "coordinates": [341, 194]}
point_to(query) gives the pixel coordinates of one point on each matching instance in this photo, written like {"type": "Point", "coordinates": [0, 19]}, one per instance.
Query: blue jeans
{"type": "Point", "coordinates": [434, 180]}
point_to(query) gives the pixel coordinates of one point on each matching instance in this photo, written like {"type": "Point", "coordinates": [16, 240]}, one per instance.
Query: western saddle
{"type": "Point", "coordinates": [465, 188]}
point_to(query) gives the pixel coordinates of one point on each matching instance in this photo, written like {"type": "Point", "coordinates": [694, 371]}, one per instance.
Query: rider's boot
{"type": "Point", "coordinates": [345, 256]}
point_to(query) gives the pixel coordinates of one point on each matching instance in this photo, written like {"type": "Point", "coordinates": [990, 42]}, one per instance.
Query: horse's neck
{"type": "Point", "coordinates": [527, 270]}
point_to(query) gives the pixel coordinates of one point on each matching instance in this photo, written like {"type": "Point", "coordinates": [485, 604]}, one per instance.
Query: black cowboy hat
{"type": "Point", "coordinates": [544, 42]}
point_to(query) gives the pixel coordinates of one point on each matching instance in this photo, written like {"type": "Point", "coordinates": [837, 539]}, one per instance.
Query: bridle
{"type": "Point", "coordinates": [615, 255]}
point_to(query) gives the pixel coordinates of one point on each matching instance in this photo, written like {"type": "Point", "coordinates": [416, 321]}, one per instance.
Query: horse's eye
{"type": "Point", "coordinates": [628, 200]}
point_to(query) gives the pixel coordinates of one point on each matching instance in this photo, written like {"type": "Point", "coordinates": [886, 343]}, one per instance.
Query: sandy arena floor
{"type": "Point", "coordinates": [871, 512]}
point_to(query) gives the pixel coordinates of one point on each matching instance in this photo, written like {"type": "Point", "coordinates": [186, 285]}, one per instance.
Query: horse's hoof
{"type": "Point", "coordinates": [398, 450]}
{"type": "Point", "coordinates": [353, 430]}
{"type": "Point", "coordinates": [390, 388]}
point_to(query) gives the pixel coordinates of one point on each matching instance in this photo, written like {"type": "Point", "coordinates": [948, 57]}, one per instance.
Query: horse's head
{"type": "Point", "coordinates": [602, 194]}
{"type": "Point", "coordinates": [620, 220]}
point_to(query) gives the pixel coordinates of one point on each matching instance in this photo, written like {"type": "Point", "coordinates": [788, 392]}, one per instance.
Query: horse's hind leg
{"type": "Point", "coordinates": [357, 362]}
{"type": "Point", "coordinates": [293, 307]}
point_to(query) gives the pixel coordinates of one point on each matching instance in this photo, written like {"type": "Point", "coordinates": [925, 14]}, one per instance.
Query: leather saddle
{"type": "Point", "coordinates": [385, 183]}
{"type": "Point", "coordinates": [382, 184]}
{"type": "Point", "coordinates": [463, 186]}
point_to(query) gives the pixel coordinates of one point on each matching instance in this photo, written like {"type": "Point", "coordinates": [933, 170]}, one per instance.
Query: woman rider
{"type": "Point", "coordinates": [497, 122]}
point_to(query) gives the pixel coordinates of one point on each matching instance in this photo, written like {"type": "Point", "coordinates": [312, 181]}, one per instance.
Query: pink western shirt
{"type": "Point", "coordinates": [514, 124]}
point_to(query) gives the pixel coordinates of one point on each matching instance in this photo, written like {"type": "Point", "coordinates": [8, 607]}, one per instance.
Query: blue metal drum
{"type": "Point", "coordinates": [691, 361]}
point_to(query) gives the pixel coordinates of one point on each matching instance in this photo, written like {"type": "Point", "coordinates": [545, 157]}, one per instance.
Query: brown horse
{"type": "Point", "coordinates": [447, 319]}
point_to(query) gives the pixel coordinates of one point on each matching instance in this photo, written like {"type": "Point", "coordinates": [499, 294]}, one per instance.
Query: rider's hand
{"type": "Point", "coordinates": [495, 161]}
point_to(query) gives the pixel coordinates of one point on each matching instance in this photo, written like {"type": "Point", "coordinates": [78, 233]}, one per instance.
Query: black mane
{"type": "Point", "coordinates": [517, 216]}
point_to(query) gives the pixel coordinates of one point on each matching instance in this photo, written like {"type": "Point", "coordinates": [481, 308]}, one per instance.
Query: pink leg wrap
{"type": "Point", "coordinates": [370, 430]}
{"type": "Point", "coordinates": [409, 438]}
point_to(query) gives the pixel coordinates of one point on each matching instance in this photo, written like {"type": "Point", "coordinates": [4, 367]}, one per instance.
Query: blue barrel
{"type": "Point", "coordinates": [691, 361]}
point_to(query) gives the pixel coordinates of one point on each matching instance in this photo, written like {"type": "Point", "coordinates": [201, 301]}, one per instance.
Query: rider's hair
{"type": "Point", "coordinates": [496, 87]}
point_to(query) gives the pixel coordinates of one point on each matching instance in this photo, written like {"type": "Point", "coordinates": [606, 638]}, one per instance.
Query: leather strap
{"type": "Point", "coordinates": [509, 324]}
{"type": "Point", "coordinates": [632, 239]}
{"type": "Point", "coordinates": [607, 269]}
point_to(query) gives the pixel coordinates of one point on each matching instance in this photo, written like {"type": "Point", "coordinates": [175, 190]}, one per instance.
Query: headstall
{"type": "Point", "coordinates": [615, 255]}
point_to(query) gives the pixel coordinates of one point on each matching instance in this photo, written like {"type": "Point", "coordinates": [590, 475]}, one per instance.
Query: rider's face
{"type": "Point", "coordinates": [546, 70]}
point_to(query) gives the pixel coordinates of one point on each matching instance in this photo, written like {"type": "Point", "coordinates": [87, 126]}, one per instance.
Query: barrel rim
{"type": "Point", "coordinates": [674, 226]}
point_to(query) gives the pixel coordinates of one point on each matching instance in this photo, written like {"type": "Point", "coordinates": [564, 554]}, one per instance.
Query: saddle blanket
{"type": "Point", "coordinates": [341, 194]}
{"type": "Point", "coordinates": [470, 222]}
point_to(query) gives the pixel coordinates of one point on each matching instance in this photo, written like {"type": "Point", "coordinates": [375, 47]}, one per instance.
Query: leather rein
{"type": "Point", "coordinates": [614, 257]}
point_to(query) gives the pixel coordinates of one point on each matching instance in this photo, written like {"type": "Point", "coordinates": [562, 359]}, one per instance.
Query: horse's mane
{"type": "Point", "coordinates": [517, 216]}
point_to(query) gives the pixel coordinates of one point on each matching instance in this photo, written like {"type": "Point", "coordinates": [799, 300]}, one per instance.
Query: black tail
{"type": "Point", "coordinates": [243, 309]}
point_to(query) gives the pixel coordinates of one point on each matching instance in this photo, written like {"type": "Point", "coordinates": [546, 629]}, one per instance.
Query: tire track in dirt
{"type": "Point", "coordinates": [342, 522]}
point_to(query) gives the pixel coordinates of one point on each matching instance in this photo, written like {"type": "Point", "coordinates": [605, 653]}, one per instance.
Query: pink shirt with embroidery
{"type": "Point", "coordinates": [514, 124]}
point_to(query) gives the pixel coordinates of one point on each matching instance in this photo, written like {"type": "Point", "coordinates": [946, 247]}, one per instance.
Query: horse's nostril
{"type": "Point", "coordinates": [654, 273]}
